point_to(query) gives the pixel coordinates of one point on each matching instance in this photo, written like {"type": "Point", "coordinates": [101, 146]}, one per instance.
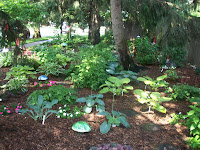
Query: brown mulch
{"type": "Point", "coordinates": [20, 132]}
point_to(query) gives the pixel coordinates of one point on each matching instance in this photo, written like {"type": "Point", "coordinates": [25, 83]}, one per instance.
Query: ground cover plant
{"type": "Point", "coordinates": [127, 113]}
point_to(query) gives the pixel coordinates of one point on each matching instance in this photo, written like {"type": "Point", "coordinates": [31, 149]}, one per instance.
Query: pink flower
{"type": "Point", "coordinates": [49, 84]}
{"type": "Point", "coordinates": [16, 110]}
{"type": "Point", "coordinates": [41, 85]}
{"type": "Point", "coordinates": [53, 82]}
{"type": "Point", "coordinates": [35, 83]}
{"type": "Point", "coordinates": [1, 113]}
{"type": "Point", "coordinates": [8, 111]}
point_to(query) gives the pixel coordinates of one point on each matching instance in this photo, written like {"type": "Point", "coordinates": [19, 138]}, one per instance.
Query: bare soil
{"type": "Point", "coordinates": [20, 132]}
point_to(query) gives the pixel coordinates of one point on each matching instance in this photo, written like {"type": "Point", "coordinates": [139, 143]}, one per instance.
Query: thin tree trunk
{"type": "Point", "coordinates": [119, 36]}
{"type": "Point", "coordinates": [94, 23]}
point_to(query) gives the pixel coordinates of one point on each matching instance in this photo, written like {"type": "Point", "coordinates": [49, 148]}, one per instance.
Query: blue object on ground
{"type": "Point", "coordinates": [42, 77]}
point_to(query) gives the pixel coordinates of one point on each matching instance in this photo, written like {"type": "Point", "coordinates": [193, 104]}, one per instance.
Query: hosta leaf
{"type": "Point", "coordinates": [81, 100]}
{"type": "Point", "coordinates": [155, 95]}
{"type": "Point", "coordinates": [164, 99]}
{"type": "Point", "coordinates": [148, 82]}
{"type": "Point", "coordinates": [105, 127]}
{"type": "Point", "coordinates": [90, 102]}
{"type": "Point", "coordinates": [124, 121]}
{"type": "Point", "coordinates": [87, 109]}
{"type": "Point", "coordinates": [160, 108]}
{"type": "Point", "coordinates": [141, 79]}
{"type": "Point", "coordinates": [105, 113]}
{"type": "Point", "coordinates": [113, 79]}
{"type": "Point", "coordinates": [142, 100]}
{"type": "Point", "coordinates": [192, 127]}
{"type": "Point", "coordinates": [115, 113]}
{"type": "Point", "coordinates": [125, 80]}
{"type": "Point", "coordinates": [104, 90]}
{"type": "Point", "coordinates": [161, 77]}
{"type": "Point", "coordinates": [110, 71]}
{"type": "Point", "coordinates": [100, 108]}
{"type": "Point", "coordinates": [100, 102]}
{"type": "Point", "coordinates": [128, 87]}
{"type": "Point", "coordinates": [40, 100]}
{"type": "Point", "coordinates": [139, 92]}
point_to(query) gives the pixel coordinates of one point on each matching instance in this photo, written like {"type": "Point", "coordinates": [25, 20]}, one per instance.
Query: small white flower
{"type": "Point", "coordinates": [67, 114]}
{"type": "Point", "coordinates": [71, 115]}
{"type": "Point", "coordinates": [0, 99]}
{"type": "Point", "coordinates": [65, 105]}
{"type": "Point", "coordinates": [64, 114]}
{"type": "Point", "coordinates": [179, 113]}
{"type": "Point", "coordinates": [58, 116]}
{"type": "Point", "coordinates": [184, 117]}
{"type": "Point", "coordinates": [77, 113]}
{"type": "Point", "coordinates": [59, 107]}
{"type": "Point", "coordinates": [138, 36]}
{"type": "Point", "coordinates": [4, 108]}
{"type": "Point", "coordinates": [60, 111]}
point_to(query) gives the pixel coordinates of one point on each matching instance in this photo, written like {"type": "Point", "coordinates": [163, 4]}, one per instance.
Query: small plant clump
{"type": "Point", "coordinates": [112, 146]}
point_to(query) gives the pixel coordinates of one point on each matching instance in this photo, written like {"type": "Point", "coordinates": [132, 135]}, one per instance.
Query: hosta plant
{"type": "Point", "coordinates": [41, 110]}
{"type": "Point", "coordinates": [92, 101]}
{"type": "Point", "coordinates": [117, 87]}
{"type": "Point", "coordinates": [154, 84]}
{"type": "Point", "coordinates": [172, 74]}
{"type": "Point", "coordinates": [127, 74]}
{"type": "Point", "coordinates": [114, 119]}
{"type": "Point", "coordinates": [152, 99]}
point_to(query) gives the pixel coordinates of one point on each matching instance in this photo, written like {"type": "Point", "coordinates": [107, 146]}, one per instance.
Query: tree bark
{"type": "Point", "coordinates": [94, 23]}
{"type": "Point", "coordinates": [120, 38]}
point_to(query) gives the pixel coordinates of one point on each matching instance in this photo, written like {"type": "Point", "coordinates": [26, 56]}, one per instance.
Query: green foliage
{"type": "Point", "coordinates": [89, 67]}
{"type": "Point", "coordinates": [64, 95]}
{"type": "Point", "coordinates": [146, 52]}
{"type": "Point", "coordinates": [18, 78]}
{"type": "Point", "coordinates": [51, 68]}
{"type": "Point", "coordinates": [176, 55]}
{"type": "Point", "coordinates": [4, 110]}
{"type": "Point", "coordinates": [192, 121]}
{"type": "Point", "coordinates": [116, 118]}
{"type": "Point", "coordinates": [16, 84]}
{"type": "Point", "coordinates": [152, 99]}
{"type": "Point", "coordinates": [154, 84]}
{"type": "Point", "coordinates": [28, 61]}
{"type": "Point", "coordinates": [176, 118]}
{"type": "Point", "coordinates": [183, 92]}
{"type": "Point", "coordinates": [41, 109]}
{"type": "Point", "coordinates": [20, 72]}
{"type": "Point", "coordinates": [6, 59]}
{"type": "Point", "coordinates": [127, 74]}
{"type": "Point", "coordinates": [68, 112]}
{"type": "Point", "coordinates": [172, 74]}
{"type": "Point", "coordinates": [112, 68]}
{"type": "Point", "coordinates": [92, 101]}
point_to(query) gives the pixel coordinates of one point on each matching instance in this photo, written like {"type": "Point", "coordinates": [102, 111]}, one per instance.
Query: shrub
{"type": "Point", "coordinates": [146, 52]}
{"type": "Point", "coordinates": [89, 67]}
{"type": "Point", "coordinates": [6, 59]}
{"type": "Point", "coordinates": [64, 95]}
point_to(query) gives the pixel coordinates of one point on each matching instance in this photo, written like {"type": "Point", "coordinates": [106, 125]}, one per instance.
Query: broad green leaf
{"type": "Point", "coordinates": [192, 127]}
{"type": "Point", "coordinates": [81, 100]}
{"type": "Point", "coordinates": [160, 108]}
{"type": "Point", "coordinates": [196, 120]}
{"type": "Point", "coordinates": [105, 113]}
{"type": "Point", "coordinates": [191, 112]}
{"type": "Point", "coordinates": [128, 87]}
{"type": "Point", "coordinates": [100, 108]}
{"type": "Point", "coordinates": [108, 83]}
{"type": "Point", "coordinates": [100, 102]}
{"type": "Point", "coordinates": [155, 95]}
{"type": "Point", "coordinates": [125, 80]}
{"type": "Point", "coordinates": [104, 90]}
{"type": "Point", "coordinates": [161, 77]}
{"type": "Point", "coordinates": [141, 79]}
{"type": "Point", "coordinates": [87, 109]}
{"type": "Point", "coordinates": [110, 71]}
{"type": "Point", "coordinates": [148, 78]}
{"type": "Point", "coordinates": [142, 100]}
{"type": "Point", "coordinates": [124, 121]}
{"type": "Point", "coordinates": [40, 100]}
{"type": "Point", "coordinates": [164, 99]}
{"type": "Point", "coordinates": [113, 79]}
{"type": "Point", "coordinates": [148, 82]}
{"type": "Point", "coordinates": [90, 102]}
{"type": "Point", "coordinates": [139, 92]}
{"type": "Point", "coordinates": [105, 127]}
{"type": "Point", "coordinates": [99, 95]}
{"type": "Point", "coordinates": [115, 113]}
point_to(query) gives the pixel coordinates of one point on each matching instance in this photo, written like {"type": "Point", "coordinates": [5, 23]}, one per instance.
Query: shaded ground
{"type": "Point", "coordinates": [21, 132]}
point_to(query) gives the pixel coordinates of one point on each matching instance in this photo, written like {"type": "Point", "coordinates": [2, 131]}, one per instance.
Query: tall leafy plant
{"type": "Point", "coordinates": [117, 87]}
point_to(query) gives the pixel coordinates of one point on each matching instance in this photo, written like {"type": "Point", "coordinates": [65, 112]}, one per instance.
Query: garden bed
{"type": "Point", "coordinates": [147, 130]}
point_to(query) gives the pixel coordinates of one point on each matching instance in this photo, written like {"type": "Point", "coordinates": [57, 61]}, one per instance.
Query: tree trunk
{"type": "Point", "coordinates": [94, 23]}
{"type": "Point", "coordinates": [120, 38]}
{"type": "Point", "coordinates": [36, 32]}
